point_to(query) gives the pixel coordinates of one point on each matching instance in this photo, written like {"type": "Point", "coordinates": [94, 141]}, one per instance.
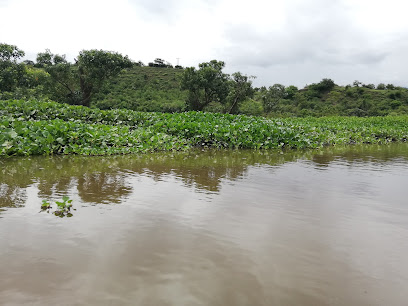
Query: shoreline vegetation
{"type": "Point", "coordinates": [107, 104]}
{"type": "Point", "coordinates": [45, 128]}
{"type": "Point", "coordinates": [108, 80]}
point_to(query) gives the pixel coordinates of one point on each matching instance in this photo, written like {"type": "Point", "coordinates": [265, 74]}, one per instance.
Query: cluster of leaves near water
{"type": "Point", "coordinates": [65, 137]}
{"type": "Point", "coordinates": [38, 128]}
{"type": "Point", "coordinates": [63, 207]}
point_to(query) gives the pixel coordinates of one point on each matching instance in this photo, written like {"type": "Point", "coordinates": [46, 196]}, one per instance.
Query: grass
{"type": "Point", "coordinates": [44, 128]}
{"type": "Point", "coordinates": [143, 89]}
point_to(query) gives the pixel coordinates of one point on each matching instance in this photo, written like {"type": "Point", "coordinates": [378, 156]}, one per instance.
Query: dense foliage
{"type": "Point", "coordinates": [327, 99]}
{"type": "Point", "coordinates": [143, 89]}
{"type": "Point", "coordinates": [205, 85]}
{"type": "Point", "coordinates": [16, 76]}
{"type": "Point", "coordinates": [158, 90]}
{"type": "Point", "coordinates": [77, 83]}
{"type": "Point", "coordinates": [108, 80]}
{"type": "Point", "coordinates": [33, 127]}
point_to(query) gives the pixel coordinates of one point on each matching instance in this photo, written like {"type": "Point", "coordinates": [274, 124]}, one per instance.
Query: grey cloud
{"type": "Point", "coordinates": [319, 39]}
{"type": "Point", "coordinates": [319, 32]}
{"type": "Point", "coordinates": [169, 10]}
{"type": "Point", "coordinates": [157, 7]}
{"type": "Point", "coordinates": [3, 3]}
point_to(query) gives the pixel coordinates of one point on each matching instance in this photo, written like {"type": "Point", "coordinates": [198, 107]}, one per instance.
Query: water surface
{"type": "Point", "coordinates": [325, 227]}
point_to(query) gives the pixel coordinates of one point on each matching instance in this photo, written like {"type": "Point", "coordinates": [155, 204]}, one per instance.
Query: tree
{"type": "Point", "coordinates": [62, 83]}
{"type": "Point", "coordinates": [325, 85]}
{"type": "Point", "coordinates": [161, 63]}
{"type": "Point", "coordinates": [290, 92]}
{"type": "Point", "coordinates": [381, 86]}
{"type": "Point", "coordinates": [12, 73]}
{"type": "Point", "coordinates": [28, 62]}
{"type": "Point", "coordinates": [139, 64]}
{"type": "Point", "coordinates": [272, 96]}
{"type": "Point", "coordinates": [357, 83]}
{"type": "Point", "coordinates": [240, 90]}
{"type": "Point", "coordinates": [10, 53]}
{"type": "Point", "coordinates": [317, 90]}
{"type": "Point", "coordinates": [95, 67]}
{"type": "Point", "coordinates": [76, 83]}
{"type": "Point", "coordinates": [369, 86]}
{"type": "Point", "coordinates": [205, 85]}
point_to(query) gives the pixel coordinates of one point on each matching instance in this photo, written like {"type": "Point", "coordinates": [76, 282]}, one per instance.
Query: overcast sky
{"type": "Point", "coordinates": [292, 42]}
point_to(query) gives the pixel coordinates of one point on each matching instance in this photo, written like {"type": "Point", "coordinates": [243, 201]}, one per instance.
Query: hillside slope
{"type": "Point", "coordinates": [338, 101]}
{"type": "Point", "coordinates": [158, 89]}
{"type": "Point", "coordinates": [143, 89]}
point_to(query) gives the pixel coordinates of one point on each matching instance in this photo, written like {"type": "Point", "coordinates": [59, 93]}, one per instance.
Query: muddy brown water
{"type": "Point", "coordinates": [325, 227]}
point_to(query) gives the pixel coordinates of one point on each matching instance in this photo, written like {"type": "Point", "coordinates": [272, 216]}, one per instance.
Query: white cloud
{"type": "Point", "coordinates": [281, 41]}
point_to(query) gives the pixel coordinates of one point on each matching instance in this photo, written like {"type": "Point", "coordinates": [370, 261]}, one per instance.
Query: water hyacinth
{"type": "Point", "coordinates": [43, 128]}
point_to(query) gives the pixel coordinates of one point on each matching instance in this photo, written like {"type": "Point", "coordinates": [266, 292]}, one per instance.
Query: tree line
{"type": "Point", "coordinates": [73, 83]}
{"type": "Point", "coordinates": [88, 80]}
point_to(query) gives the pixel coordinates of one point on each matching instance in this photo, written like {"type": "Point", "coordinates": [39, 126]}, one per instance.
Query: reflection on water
{"type": "Point", "coordinates": [105, 179]}
{"type": "Point", "coordinates": [323, 227]}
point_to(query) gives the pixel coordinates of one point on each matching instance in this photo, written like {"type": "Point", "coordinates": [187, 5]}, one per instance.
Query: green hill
{"type": "Point", "coordinates": [143, 89]}
{"type": "Point", "coordinates": [339, 100]}
{"type": "Point", "coordinates": [158, 89]}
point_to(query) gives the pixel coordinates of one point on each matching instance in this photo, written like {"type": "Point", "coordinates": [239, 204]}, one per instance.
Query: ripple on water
{"type": "Point", "coordinates": [210, 228]}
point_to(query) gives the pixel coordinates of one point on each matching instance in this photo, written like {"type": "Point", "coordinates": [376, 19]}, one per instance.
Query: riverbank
{"type": "Point", "coordinates": [44, 128]}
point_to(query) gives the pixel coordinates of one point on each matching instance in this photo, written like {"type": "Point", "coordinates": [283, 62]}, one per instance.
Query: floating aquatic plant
{"type": "Point", "coordinates": [44, 128]}
{"type": "Point", "coordinates": [63, 207]}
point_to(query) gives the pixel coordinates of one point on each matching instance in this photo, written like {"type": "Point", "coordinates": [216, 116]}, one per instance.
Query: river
{"type": "Point", "coordinates": [323, 227]}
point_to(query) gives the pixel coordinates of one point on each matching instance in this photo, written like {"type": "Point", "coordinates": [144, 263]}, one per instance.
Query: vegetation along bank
{"type": "Point", "coordinates": [42, 128]}
{"type": "Point", "coordinates": [109, 104]}
{"type": "Point", "coordinates": [108, 80]}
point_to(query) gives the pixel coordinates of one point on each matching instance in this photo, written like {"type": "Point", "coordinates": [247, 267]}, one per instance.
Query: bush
{"type": "Point", "coordinates": [251, 108]}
